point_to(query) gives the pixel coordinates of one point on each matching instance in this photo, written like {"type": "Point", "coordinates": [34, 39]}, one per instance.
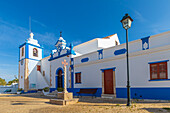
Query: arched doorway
{"type": "Point", "coordinates": [60, 81]}
{"type": "Point", "coordinates": [59, 78]}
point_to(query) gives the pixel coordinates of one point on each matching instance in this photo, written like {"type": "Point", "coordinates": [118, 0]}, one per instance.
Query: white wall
{"type": "Point", "coordinates": [45, 66]}
{"type": "Point", "coordinates": [22, 73]}
{"type": "Point", "coordinates": [32, 67]}
{"type": "Point", "coordinates": [139, 67]}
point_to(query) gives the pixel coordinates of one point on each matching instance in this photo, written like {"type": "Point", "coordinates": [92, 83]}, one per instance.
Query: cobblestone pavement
{"type": "Point", "coordinates": [34, 103]}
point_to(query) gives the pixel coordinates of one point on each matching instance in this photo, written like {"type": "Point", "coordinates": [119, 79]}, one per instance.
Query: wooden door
{"type": "Point", "coordinates": [60, 79]}
{"type": "Point", "coordinates": [108, 81]}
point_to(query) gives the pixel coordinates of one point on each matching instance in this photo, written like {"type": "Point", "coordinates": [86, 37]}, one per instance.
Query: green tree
{"type": "Point", "coordinates": [2, 81]}
{"type": "Point", "coordinates": [13, 81]}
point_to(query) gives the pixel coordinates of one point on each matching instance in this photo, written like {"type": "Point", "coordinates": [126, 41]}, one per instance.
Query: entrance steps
{"type": "Point", "coordinates": [109, 96]}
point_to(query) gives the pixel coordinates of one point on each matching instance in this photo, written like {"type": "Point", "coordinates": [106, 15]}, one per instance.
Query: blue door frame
{"type": "Point", "coordinates": [56, 77]}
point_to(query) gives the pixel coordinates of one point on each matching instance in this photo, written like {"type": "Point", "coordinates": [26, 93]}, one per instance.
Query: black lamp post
{"type": "Point", "coordinates": [126, 22]}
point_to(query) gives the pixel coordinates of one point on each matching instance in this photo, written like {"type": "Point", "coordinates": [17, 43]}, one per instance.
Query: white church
{"type": "Point", "coordinates": [100, 64]}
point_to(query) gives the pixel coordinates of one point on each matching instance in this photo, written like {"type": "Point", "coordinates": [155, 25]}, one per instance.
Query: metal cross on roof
{"type": "Point", "coordinates": [60, 33]}
{"type": "Point", "coordinates": [64, 63]}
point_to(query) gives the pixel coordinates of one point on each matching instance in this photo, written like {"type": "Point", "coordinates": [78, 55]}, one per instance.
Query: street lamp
{"type": "Point", "coordinates": [126, 22]}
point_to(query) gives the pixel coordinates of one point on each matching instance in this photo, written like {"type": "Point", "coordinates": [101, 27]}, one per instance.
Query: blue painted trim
{"type": "Point", "coordinates": [108, 69]}
{"type": "Point", "coordinates": [72, 71]}
{"type": "Point", "coordinates": [160, 80]}
{"type": "Point", "coordinates": [145, 40]}
{"type": "Point", "coordinates": [29, 59]}
{"type": "Point", "coordinates": [77, 72]}
{"type": "Point", "coordinates": [73, 52]}
{"type": "Point", "coordinates": [42, 53]}
{"type": "Point", "coordinates": [58, 70]}
{"type": "Point", "coordinates": [71, 49]}
{"type": "Point", "coordinates": [85, 60]}
{"type": "Point", "coordinates": [52, 89]}
{"type": "Point", "coordinates": [22, 45]}
{"type": "Point", "coordinates": [31, 91]}
{"type": "Point", "coordinates": [26, 51]}
{"type": "Point", "coordinates": [19, 54]}
{"type": "Point", "coordinates": [57, 77]}
{"type": "Point", "coordinates": [59, 56]}
{"type": "Point", "coordinates": [31, 45]}
{"type": "Point", "coordinates": [71, 66]}
{"type": "Point", "coordinates": [158, 61]}
{"type": "Point", "coordinates": [56, 82]}
{"type": "Point", "coordinates": [120, 51]}
{"type": "Point", "coordinates": [63, 81]}
{"type": "Point", "coordinates": [136, 93]}
{"type": "Point", "coordinates": [100, 52]}
{"type": "Point", "coordinates": [75, 90]}
{"type": "Point", "coordinates": [156, 93]}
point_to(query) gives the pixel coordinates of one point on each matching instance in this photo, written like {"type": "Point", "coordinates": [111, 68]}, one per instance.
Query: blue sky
{"type": "Point", "coordinates": [80, 21]}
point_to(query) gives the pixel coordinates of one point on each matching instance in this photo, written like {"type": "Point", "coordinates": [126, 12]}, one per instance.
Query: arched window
{"type": "Point", "coordinates": [23, 51]}
{"type": "Point", "coordinates": [35, 52]}
{"type": "Point", "coordinates": [116, 43]}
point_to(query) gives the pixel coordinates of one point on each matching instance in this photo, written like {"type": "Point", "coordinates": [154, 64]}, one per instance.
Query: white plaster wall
{"type": "Point", "coordinates": [45, 66]}
{"type": "Point", "coordinates": [32, 67]}
{"type": "Point", "coordinates": [134, 46]}
{"type": "Point", "coordinates": [31, 53]}
{"type": "Point", "coordinates": [92, 56]}
{"type": "Point", "coordinates": [108, 42]}
{"type": "Point", "coordinates": [160, 40]}
{"type": "Point", "coordinates": [87, 47]}
{"type": "Point", "coordinates": [22, 73]}
{"type": "Point", "coordinates": [41, 83]}
{"type": "Point", "coordinates": [139, 70]}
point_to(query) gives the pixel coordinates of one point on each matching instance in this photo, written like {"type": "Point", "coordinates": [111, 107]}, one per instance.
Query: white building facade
{"type": "Point", "coordinates": [100, 63]}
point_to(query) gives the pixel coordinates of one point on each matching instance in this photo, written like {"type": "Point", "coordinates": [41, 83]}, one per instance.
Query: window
{"type": "Point", "coordinates": [32, 86]}
{"type": "Point", "coordinates": [22, 51]}
{"type": "Point", "coordinates": [116, 43]}
{"type": "Point", "coordinates": [39, 68]}
{"type": "Point", "coordinates": [35, 52]}
{"type": "Point", "coordinates": [78, 77]}
{"type": "Point", "coordinates": [44, 73]}
{"type": "Point", "coordinates": [158, 71]}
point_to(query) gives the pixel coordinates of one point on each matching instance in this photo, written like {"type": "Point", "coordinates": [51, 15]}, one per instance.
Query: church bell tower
{"type": "Point", "coordinates": [30, 53]}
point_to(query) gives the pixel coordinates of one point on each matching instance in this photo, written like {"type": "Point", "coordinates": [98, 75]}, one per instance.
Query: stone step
{"type": "Point", "coordinates": [109, 96]}
{"type": "Point", "coordinates": [63, 102]}
{"type": "Point", "coordinates": [51, 95]}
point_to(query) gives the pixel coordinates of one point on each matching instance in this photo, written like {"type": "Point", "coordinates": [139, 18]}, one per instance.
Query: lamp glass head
{"type": "Point", "coordinates": [126, 21]}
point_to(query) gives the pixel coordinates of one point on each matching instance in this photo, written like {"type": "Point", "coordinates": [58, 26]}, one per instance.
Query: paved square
{"type": "Point", "coordinates": [34, 103]}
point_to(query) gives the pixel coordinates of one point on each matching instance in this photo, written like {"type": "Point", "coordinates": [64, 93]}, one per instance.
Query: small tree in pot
{"type": "Point", "coordinates": [60, 89]}
{"type": "Point", "coordinates": [19, 91]}
{"type": "Point", "coordinates": [46, 90]}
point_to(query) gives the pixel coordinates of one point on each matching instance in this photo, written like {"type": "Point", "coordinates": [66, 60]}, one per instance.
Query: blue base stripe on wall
{"type": "Point", "coordinates": [145, 93]}
{"type": "Point", "coordinates": [136, 93]}
{"type": "Point", "coordinates": [75, 90]}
